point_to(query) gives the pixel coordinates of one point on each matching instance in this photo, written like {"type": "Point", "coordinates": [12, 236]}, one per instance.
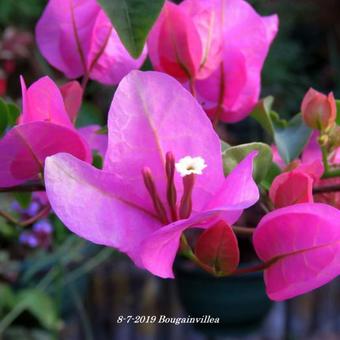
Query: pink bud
{"type": "Point", "coordinates": [291, 188]}
{"type": "Point", "coordinates": [217, 249]}
{"type": "Point", "coordinates": [318, 110]}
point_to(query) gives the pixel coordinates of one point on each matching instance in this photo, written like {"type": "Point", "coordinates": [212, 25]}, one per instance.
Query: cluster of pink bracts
{"type": "Point", "coordinates": [163, 171]}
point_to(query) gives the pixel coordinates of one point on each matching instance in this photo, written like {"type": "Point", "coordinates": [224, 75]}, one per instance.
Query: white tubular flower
{"type": "Point", "coordinates": [190, 165]}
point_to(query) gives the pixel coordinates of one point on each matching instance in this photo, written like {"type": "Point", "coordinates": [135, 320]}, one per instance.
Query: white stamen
{"type": "Point", "coordinates": [190, 165]}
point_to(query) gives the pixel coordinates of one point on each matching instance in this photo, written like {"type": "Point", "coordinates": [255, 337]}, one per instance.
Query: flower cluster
{"type": "Point", "coordinates": [165, 169]}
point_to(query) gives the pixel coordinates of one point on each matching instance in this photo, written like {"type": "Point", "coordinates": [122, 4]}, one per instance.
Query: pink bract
{"type": "Point", "coordinates": [291, 188]}
{"type": "Point", "coordinates": [151, 114]}
{"type": "Point", "coordinates": [77, 38]}
{"type": "Point", "coordinates": [44, 129]}
{"type": "Point", "coordinates": [216, 48]}
{"type": "Point", "coordinates": [303, 241]}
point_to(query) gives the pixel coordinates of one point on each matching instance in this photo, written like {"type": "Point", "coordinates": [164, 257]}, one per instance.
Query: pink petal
{"type": "Point", "coordinates": [96, 205]}
{"type": "Point", "coordinates": [252, 42]}
{"type": "Point", "coordinates": [151, 114]}
{"type": "Point", "coordinates": [24, 148]}
{"type": "Point", "coordinates": [238, 192]}
{"type": "Point", "coordinates": [96, 141]}
{"type": "Point", "coordinates": [174, 44]}
{"type": "Point", "coordinates": [72, 94]}
{"type": "Point", "coordinates": [207, 20]}
{"type": "Point", "coordinates": [305, 240]}
{"type": "Point", "coordinates": [55, 33]}
{"type": "Point", "coordinates": [115, 62]}
{"type": "Point", "coordinates": [291, 188]}
{"type": "Point", "coordinates": [227, 81]}
{"type": "Point", "coordinates": [42, 101]}
{"type": "Point", "coordinates": [158, 250]}
{"type": "Point", "coordinates": [312, 151]}
{"type": "Point", "coordinates": [82, 40]}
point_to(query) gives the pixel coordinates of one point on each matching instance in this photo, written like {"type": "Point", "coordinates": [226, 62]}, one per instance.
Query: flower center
{"type": "Point", "coordinates": [188, 167]}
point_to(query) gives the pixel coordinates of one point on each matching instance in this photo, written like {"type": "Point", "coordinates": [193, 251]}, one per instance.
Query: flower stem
{"type": "Point", "coordinates": [331, 173]}
{"type": "Point", "coordinates": [27, 187]}
{"type": "Point", "coordinates": [328, 188]}
{"type": "Point", "coordinates": [243, 231]}
{"type": "Point", "coordinates": [42, 213]}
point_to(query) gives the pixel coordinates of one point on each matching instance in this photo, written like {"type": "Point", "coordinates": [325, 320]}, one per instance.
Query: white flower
{"type": "Point", "coordinates": [190, 165]}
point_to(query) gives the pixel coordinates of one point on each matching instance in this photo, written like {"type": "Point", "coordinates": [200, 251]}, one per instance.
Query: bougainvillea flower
{"type": "Point", "coordinates": [44, 129]}
{"type": "Point", "coordinates": [302, 242]}
{"type": "Point", "coordinates": [77, 38]}
{"type": "Point", "coordinates": [208, 40]}
{"type": "Point", "coordinates": [162, 174]}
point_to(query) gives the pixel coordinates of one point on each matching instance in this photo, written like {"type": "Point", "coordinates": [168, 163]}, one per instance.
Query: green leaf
{"type": "Point", "coordinates": [273, 171]}
{"type": "Point", "coordinates": [23, 198]}
{"type": "Point", "coordinates": [262, 114]}
{"type": "Point", "coordinates": [97, 160]}
{"type": "Point", "coordinates": [41, 306]}
{"type": "Point", "coordinates": [132, 19]}
{"type": "Point", "coordinates": [3, 116]}
{"type": "Point", "coordinates": [225, 146]}
{"type": "Point", "coordinates": [262, 162]}
{"type": "Point", "coordinates": [6, 231]}
{"type": "Point", "coordinates": [292, 138]}
{"type": "Point", "coordinates": [13, 113]}
{"type": "Point", "coordinates": [337, 102]}
{"type": "Point", "coordinates": [89, 114]}
{"type": "Point", "coordinates": [7, 296]}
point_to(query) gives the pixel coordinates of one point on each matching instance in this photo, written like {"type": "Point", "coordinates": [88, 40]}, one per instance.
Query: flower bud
{"type": "Point", "coordinates": [318, 110]}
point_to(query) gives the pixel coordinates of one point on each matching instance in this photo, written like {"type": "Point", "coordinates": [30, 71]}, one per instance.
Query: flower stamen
{"type": "Point", "coordinates": [185, 206]}
{"type": "Point", "coordinates": [157, 203]}
{"type": "Point", "coordinates": [171, 193]}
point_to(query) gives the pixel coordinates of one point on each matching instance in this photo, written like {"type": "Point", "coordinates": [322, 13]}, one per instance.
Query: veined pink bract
{"type": "Point", "coordinates": [131, 204]}
{"type": "Point", "coordinates": [44, 129]}
{"type": "Point", "coordinates": [77, 38]}
{"type": "Point", "coordinates": [208, 42]}
{"type": "Point", "coordinates": [303, 243]}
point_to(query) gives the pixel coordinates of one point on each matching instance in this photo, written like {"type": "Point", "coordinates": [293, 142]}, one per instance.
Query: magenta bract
{"type": "Point", "coordinates": [44, 129]}
{"type": "Point", "coordinates": [303, 241]}
{"type": "Point", "coordinates": [151, 116]}
{"type": "Point", "coordinates": [77, 38]}
{"type": "Point", "coordinates": [207, 41]}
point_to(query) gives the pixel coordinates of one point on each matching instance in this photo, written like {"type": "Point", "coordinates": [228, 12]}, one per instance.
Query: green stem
{"type": "Point", "coordinates": [325, 158]}
{"type": "Point", "coordinates": [331, 173]}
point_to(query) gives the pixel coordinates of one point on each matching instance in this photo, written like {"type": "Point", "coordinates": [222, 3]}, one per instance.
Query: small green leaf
{"type": "Point", "coordinates": [262, 114]}
{"type": "Point", "coordinates": [225, 146]}
{"type": "Point", "coordinates": [3, 116]}
{"type": "Point", "coordinates": [291, 139]}
{"type": "Point", "coordinates": [133, 20]}
{"type": "Point", "coordinates": [23, 198]}
{"type": "Point", "coordinates": [7, 296]}
{"type": "Point", "coordinates": [13, 114]}
{"type": "Point", "coordinates": [97, 160]}
{"type": "Point", "coordinates": [89, 114]}
{"type": "Point", "coordinates": [273, 171]}
{"type": "Point", "coordinates": [262, 162]}
{"type": "Point", "coordinates": [40, 305]}
{"type": "Point", "coordinates": [337, 102]}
